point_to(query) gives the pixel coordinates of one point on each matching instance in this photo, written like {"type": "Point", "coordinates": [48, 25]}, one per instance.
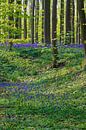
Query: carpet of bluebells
{"type": "Point", "coordinates": [36, 45]}
{"type": "Point", "coordinates": [33, 96]}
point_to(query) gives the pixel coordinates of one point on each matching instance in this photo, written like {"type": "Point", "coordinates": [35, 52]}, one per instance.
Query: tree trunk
{"type": "Point", "coordinates": [47, 22]}
{"type": "Point", "coordinates": [77, 24]}
{"type": "Point", "coordinates": [68, 22]}
{"type": "Point", "coordinates": [36, 20]}
{"type": "Point", "coordinates": [83, 22]}
{"type": "Point", "coordinates": [11, 20]}
{"type": "Point", "coordinates": [54, 36]}
{"type": "Point", "coordinates": [25, 19]}
{"type": "Point", "coordinates": [32, 21]}
{"type": "Point", "coordinates": [42, 21]}
{"type": "Point", "coordinates": [62, 22]}
{"type": "Point", "coordinates": [18, 20]}
{"type": "Point", "coordinates": [72, 22]}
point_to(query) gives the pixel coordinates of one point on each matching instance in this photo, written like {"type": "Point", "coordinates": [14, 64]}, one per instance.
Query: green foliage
{"type": "Point", "coordinates": [9, 15]}
{"type": "Point", "coordinates": [58, 92]}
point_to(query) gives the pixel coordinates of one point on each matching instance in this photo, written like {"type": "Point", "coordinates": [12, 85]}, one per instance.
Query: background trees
{"type": "Point", "coordinates": [18, 18]}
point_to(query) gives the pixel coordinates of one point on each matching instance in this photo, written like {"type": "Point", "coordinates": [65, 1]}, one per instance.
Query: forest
{"type": "Point", "coordinates": [42, 64]}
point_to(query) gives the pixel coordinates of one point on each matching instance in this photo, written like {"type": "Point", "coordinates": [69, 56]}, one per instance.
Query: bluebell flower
{"type": "Point", "coordinates": [1, 44]}
{"type": "Point", "coordinates": [74, 46]}
{"type": "Point", "coordinates": [30, 97]}
{"type": "Point", "coordinates": [5, 84]}
{"type": "Point", "coordinates": [37, 95]}
{"type": "Point", "coordinates": [25, 88]}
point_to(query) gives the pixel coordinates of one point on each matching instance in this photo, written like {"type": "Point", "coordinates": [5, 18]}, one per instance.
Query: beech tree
{"type": "Point", "coordinates": [83, 21]}
{"type": "Point", "coordinates": [54, 36]}
{"type": "Point", "coordinates": [36, 19]}
{"type": "Point", "coordinates": [32, 20]}
{"type": "Point", "coordinates": [25, 19]}
{"type": "Point", "coordinates": [47, 22]}
{"type": "Point", "coordinates": [42, 21]}
{"type": "Point", "coordinates": [18, 19]}
{"type": "Point", "coordinates": [11, 18]}
{"type": "Point", "coordinates": [68, 22]}
{"type": "Point", "coordinates": [62, 22]}
{"type": "Point", "coordinates": [72, 21]}
{"type": "Point", "coordinates": [77, 24]}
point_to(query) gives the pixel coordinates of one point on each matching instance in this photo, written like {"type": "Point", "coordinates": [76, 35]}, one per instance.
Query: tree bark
{"type": "Point", "coordinates": [25, 19]}
{"type": "Point", "coordinates": [18, 20]}
{"type": "Point", "coordinates": [47, 22]}
{"type": "Point", "coordinates": [32, 21]}
{"type": "Point", "coordinates": [77, 24]}
{"type": "Point", "coordinates": [62, 22]}
{"type": "Point", "coordinates": [68, 22]}
{"type": "Point", "coordinates": [72, 22]}
{"type": "Point", "coordinates": [36, 20]}
{"type": "Point", "coordinates": [83, 22]}
{"type": "Point", "coordinates": [42, 21]}
{"type": "Point", "coordinates": [11, 19]}
{"type": "Point", "coordinates": [54, 36]}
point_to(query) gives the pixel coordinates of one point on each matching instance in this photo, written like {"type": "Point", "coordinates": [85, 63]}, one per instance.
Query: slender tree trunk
{"type": "Point", "coordinates": [32, 21]}
{"type": "Point", "coordinates": [36, 20]}
{"type": "Point", "coordinates": [11, 19]}
{"type": "Point", "coordinates": [83, 21]}
{"type": "Point", "coordinates": [25, 19]}
{"type": "Point", "coordinates": [62, 22]}
{"type": "Point", "coordinates": [18, 20]}
{"type": "Point", "coordinates": [54, 36]}
{"type": "Point", "coordinates": [72, 22]}
{"type": "Point", "coordinates": [47, 22]}
{"type": "Point", "coordinates": [42, 21]}
{"type": "Point", "coordinates": [68, 22]}
{"type": "Point", "coordinates": [77, 24]}
{"type": "Point", "coordinates": [79, 30]}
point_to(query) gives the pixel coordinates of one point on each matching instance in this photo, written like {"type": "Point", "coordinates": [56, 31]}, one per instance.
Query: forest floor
{"type": "Point", "coordinates": [34, 96]}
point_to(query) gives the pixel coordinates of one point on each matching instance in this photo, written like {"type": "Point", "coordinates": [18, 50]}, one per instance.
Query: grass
{"type": "Point", "coordinates": [51, 99]}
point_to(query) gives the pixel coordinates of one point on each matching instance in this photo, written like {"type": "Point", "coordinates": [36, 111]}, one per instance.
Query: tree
{"type": "Point", "coordinates": [9, 21]}
{"type": "Point", "coordinates": [25, 19]}
{"type": "Point", "coordinates": [18, 18]}
{"type": "Point", "coordinates": [47, 39]}
{"type": "Point", "coordinates": [11, 18]}
{"type": "Point", "coordinates": [83, 21]}
{"type": "Point", "coordinates": [77, 24]}
{"type": "Point", "coordinates": [3, 21]}
{"type": "Point", "coordinates": [72, 21]}
{"type": "Point", "coordinates": [54, 36]}
{"type": "Point", "coordinates": [42, 21]}
{"type": "Point", "coordinates": [32, 20]}
{"type": "Point", "coordinates": [62, 22]}
{"type": "Point", "coordinates": [36, 20]}
{"type": "Point", "coordinates": [68, 22]}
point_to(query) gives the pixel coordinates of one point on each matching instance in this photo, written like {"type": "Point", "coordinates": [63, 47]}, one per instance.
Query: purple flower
{"type": "Point", "coordinates": [30, 97]}
{"type": "Point", "coordinates": [74, 46]}
{"type": "Point", "coordinates": [37, 95]}
{"type": "Point", "coordinates": [1, 44]}
{"type": "Point", "coordinates": [35, 45]}
{"type": "Point", "coordinates": [25, 88]}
